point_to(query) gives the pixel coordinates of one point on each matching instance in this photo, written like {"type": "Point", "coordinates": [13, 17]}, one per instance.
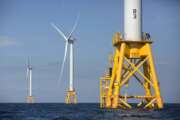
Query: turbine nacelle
{"type": "Point", "coordinates": [29, 67]}
{"type": "Point", "coordinates": [71, 40]}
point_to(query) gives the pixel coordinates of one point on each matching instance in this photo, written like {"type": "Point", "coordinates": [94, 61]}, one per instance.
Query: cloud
{"type": "Point", "coordinates": [162, 63]}
{"type": "Point", "coordinates": [7, 41]}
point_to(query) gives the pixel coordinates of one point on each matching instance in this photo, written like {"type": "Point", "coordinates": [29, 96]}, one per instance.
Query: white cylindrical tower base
{"type": "Point", "coordinates": [30, 82]}
{"type": "Point", "coordinates": [132, 20]}
{"type": "Point", "coordinates": [71, 65]}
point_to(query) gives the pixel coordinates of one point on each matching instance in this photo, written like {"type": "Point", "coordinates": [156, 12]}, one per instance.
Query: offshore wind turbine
{"type": "Point", "coordinates": [132, 60]}
{"type": "Point", "coordinates": [29, 78]}
{"type": "Point", "coordinates": [71, 97]}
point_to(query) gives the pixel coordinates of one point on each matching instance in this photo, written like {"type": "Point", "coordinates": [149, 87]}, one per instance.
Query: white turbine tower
{"type": "Point", "coordinates": [69, 41]}
{"type": "Point", "coordinates": [29, 78]}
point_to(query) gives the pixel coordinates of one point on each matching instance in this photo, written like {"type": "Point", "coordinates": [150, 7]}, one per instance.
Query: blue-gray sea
{"type": "Point", "coordinates": [57, 111]}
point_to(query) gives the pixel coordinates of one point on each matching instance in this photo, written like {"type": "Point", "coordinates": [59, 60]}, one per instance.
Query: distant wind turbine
{"type": "Point", "coordinates": [29, 78]}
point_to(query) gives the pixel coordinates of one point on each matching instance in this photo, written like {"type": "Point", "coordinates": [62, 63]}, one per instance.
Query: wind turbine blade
{"type": "Point", "coordinates": [64, 60]}
{"type": "Point", "coordinates": [59, 31]}
{"type": "Point", "coordinates": [75, 25]}
{"type": "Point", "coordinates": [27, 73]}
{"type": "Point", "coordinates": [28, 62]}
{"type": "Point", "coordinates": [27, 69]}
{"type": "Point", "coordinates": [162, 63]}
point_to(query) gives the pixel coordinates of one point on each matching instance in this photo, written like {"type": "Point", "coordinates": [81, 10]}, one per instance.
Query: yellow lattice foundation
{"type": "Point", "coordinates": [104, 85]}
{"type": "Point", "coordinates": [30, 99]}
{"type": "Point", "coordinates": [71, 97]}
{"type": "Point", "coordinates": [131, 59]}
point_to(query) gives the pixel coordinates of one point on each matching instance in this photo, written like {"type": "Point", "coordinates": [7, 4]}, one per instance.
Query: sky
{"type": "Point", "coordinates": [25, 31]}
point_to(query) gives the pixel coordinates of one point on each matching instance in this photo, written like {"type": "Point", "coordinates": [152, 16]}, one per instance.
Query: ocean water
{"type": "Point", "coordinates": [47, 111]}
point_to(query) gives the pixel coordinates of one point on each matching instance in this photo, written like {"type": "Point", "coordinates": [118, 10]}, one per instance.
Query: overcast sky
{"type": "Point", "coordinates": [25, 31]}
